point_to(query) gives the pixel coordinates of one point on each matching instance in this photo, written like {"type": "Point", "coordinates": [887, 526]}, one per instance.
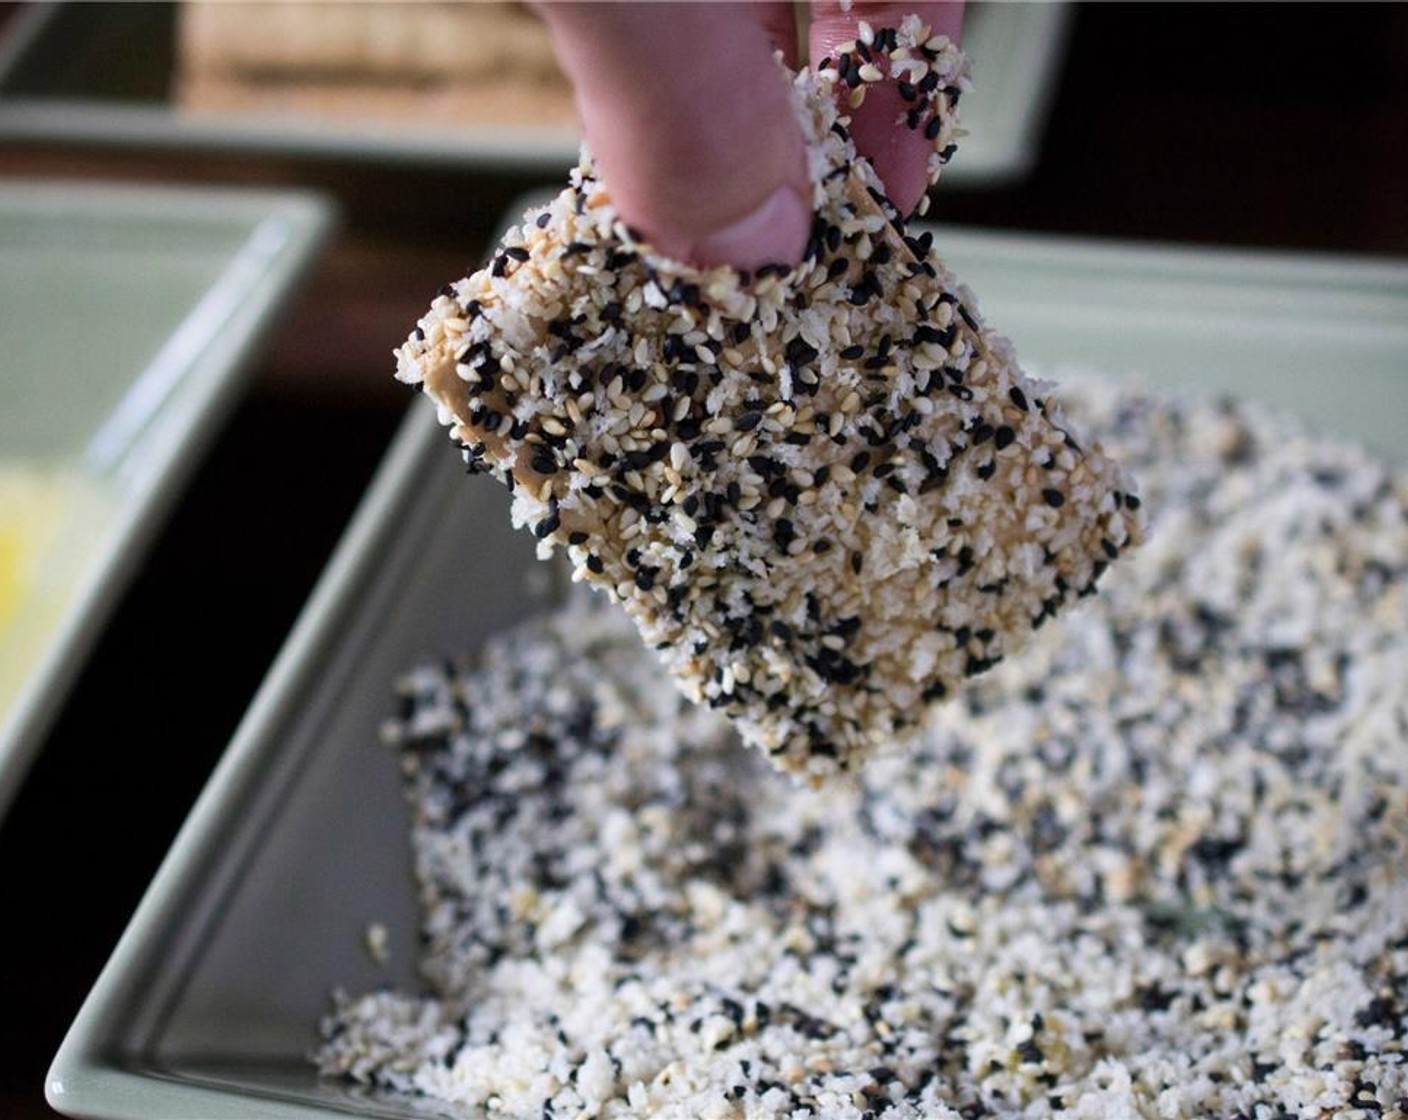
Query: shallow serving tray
{"type": "Point", "coordinates": [128, 316]}
{"type": "Point", "coordinates": [210, 1003]}
{"type": "Point", "coordinates": [103, 73]}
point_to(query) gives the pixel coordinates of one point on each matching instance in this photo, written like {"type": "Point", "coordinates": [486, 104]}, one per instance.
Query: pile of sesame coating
{"type": "Point", "coordinates": [825, 495]}
{"type": "Point", "coordinates": [1153, 868]}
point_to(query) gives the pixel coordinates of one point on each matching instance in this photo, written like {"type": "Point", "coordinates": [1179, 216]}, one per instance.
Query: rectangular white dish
{"type": "Point", "coordinates": [128, 321]}
{"type": "Point", "coordinates": [210, 1003]}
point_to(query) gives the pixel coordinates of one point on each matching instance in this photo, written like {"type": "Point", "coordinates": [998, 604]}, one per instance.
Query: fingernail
{"type": "Point", "coordinates": [775, 233]}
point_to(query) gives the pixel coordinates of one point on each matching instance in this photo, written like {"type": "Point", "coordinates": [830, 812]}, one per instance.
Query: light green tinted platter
{"type": "Point", "coordinates": [1324, 337]}
{"type": "Point", "coordinates": [89, 301]}
{"type": "Point", "coordinates": [127, 318]}
{"type": "Point", "coordinates": [209, 1005]}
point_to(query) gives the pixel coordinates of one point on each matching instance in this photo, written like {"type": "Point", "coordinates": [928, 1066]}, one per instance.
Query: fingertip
{"type": "Point", "coordinates": [690, 122]}
{"type": "Point", "coordinates": [775, 232]}
{"type": "Point", "coordinates": [900, 156]}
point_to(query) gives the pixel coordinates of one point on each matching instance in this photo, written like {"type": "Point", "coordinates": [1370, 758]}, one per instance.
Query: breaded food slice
{"type": "Point", "coordinates": [826, 495]}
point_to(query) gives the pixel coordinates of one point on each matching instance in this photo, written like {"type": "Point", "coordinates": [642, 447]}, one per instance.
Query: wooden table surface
{"type": "Point", "coordinates": [1263, 125]}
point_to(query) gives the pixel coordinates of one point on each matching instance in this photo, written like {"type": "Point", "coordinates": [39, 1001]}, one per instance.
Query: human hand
{"type": "Point", "coordinates": [690, 121]}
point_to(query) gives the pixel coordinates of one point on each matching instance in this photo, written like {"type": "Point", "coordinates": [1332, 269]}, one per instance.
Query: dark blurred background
{"type": "Point", "coordinates": [1261, 125]}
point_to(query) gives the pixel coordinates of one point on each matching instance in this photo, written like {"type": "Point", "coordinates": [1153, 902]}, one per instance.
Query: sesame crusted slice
{"type": "Point", "coordinates": [826, 495]}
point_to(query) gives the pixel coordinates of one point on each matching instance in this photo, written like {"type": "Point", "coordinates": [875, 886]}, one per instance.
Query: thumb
{"type": "Point", "coordinates": [691, 125]}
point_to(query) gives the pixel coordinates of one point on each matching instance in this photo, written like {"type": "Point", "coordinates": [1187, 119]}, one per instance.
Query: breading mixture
{"type": "Point", "coordinates": [1153, 868]}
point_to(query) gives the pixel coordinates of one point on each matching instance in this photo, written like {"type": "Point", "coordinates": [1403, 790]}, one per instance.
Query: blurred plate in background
{"type": "Point", "coordinates": [108, 74]}
{"type": "Point", "coordinates": [128, 318]}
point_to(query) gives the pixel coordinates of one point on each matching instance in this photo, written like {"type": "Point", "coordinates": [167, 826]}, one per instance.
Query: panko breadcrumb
{"type": "Point", "coordinates": [826, 495]}
{"type": "Point", "coordinates": [1153, 868]}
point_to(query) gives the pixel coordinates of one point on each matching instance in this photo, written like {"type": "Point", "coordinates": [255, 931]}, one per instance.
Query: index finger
{"type": "Point", "coordinates": [900, 155]}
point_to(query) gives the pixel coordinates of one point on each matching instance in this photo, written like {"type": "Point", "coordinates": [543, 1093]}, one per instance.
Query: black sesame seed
{"type": "Point", "coordinates": [932, 129]}
{"type": "Point", "coordinates": [1054, 498]}
{"type": "Point", "coordinates": [517, 252]}
{"type": "Point", "coordinates": [748, 421]}
{"type": "Point", "coordinates": [799, 352]}
{"type": "Point", "coordinates": [1153, 998]}
{"type": "Point", "coordinates": [936, 691]}
{"type": "Point", "coordinates": [1017, 397]}
{"type": "Point", "coordinates": [975, 665]}
{"type": "Point", "coordinates": [1003, 437]}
